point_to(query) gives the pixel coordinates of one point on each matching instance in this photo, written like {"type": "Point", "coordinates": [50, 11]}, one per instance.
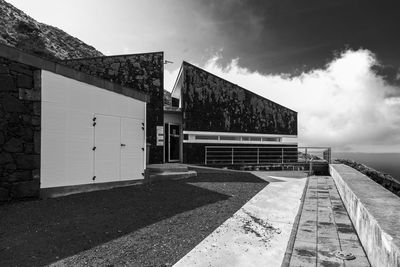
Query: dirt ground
{"type": "Point", "coordinates": [168, 219]}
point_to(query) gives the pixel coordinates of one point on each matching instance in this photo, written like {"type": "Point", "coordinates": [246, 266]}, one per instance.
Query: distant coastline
{"type": "Point", "coordinates": [384, 162]}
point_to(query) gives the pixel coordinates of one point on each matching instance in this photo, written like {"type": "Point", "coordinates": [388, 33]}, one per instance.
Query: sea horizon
{"type": "Point", "coordinates": [383, 162]}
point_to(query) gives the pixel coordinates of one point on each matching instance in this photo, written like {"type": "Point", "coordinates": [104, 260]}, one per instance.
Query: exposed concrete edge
{"type": "Point", "coordinates": [374, 213]}
{"type": "Point", "coordinates": [292, 238]}
{"type": "Point", "coordinates": [17, 55]}
{"type": "Point", "coordinates": [53, 192]}
{"type": "Point", "coordinates": [166, 176]}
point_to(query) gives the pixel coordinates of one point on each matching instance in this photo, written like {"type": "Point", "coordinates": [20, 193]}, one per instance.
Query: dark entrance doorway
{"type": "Point", "coordinates": [172, 148]}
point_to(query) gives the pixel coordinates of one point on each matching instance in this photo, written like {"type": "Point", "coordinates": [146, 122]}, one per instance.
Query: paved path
{"type": "Point", "coordinates": [257, 234]}
{"type": "Point", "coordinates": [324, 228]}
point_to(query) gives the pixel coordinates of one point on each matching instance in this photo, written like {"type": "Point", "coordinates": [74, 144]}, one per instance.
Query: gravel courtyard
{"type": "Point", "coordinates": [163, 220]}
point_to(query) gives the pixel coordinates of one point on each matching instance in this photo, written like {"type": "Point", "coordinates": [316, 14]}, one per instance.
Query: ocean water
{"type": "Point", "coordinates": [385, 162]}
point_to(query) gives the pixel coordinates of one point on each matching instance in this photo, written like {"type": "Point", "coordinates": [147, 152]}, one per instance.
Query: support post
{"type": "Point", "coordinates": [258, 155]}
{"type": "Point", "coordinates": [205, 157]}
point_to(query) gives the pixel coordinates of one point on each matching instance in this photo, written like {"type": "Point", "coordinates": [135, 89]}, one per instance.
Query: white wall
{"type": "Point", "coordinates": [67, 134]}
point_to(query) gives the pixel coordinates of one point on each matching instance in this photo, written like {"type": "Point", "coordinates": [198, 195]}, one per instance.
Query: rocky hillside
{"type": "Point", "coordinates": [19, 30]}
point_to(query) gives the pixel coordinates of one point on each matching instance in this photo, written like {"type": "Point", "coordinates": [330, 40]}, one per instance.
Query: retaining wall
{"type": "Point", "coordinates": [374, 212]}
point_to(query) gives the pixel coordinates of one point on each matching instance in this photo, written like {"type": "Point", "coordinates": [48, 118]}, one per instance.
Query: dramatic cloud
{"type": "Point", "coordinates": [273, 36]}
{"type": "Point", "coordinates": [345, 105]}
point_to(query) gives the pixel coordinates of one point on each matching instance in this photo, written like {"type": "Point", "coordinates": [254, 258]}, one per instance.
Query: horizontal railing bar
{"type": "Point", "coordinates": [287, 147]}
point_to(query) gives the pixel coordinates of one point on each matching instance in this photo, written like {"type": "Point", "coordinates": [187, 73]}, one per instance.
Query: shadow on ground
{"type": "Point", "coordinates": [39, 232]}
{"type": "Point", "coordinates": [168, 219]}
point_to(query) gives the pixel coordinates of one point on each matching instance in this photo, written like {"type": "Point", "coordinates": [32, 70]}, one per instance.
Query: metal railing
{"type": "Point", "coordinates": [245, 155]}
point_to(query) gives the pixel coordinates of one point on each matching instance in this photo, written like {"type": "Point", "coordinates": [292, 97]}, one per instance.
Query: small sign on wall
{"type": "Point", "coordinates": [160, 135]}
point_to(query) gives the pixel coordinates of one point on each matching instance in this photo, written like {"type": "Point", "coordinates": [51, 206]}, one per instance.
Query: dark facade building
{"type": "Point", "coordinates": [208, 111]}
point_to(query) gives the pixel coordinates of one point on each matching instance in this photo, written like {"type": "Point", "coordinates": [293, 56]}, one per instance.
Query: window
{"type": "Point", "coordinates": [206, 137]}
{"type": "Point", "coordinates": [229, 138]}
{"type": "Point", "coordinates": [270, 139]}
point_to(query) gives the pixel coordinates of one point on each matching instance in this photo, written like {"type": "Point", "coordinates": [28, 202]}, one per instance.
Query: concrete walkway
{"type": "Point", "coordinates": [257, 234]}
{"type": "Point", "coordinates": [325, 228]}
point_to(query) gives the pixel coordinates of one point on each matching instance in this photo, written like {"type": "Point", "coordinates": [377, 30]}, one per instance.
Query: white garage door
{"type": "Point", "coordinates": [119, 151]}
{"type": "Point", "coordinates": [68, 135]}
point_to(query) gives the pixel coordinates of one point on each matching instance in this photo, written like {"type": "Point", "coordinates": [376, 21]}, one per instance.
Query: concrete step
{"type": "Point", "coordinates": [163, 176]}
{"type": "Point", "coordinates": [169, 167]}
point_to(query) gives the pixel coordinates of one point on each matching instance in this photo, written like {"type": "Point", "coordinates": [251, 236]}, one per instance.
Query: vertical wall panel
{"type": "Point", "coordinates": [107, 153]}
{"type": "Point", "coordinates": [132, 154]}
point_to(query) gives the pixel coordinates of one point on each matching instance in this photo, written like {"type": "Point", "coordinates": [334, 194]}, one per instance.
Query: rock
{"type": "Point", "coordinates": [156, 82]}
{"type": "Point", "coordinates": [4, 196]}
{"type": "Point", "coordinates": [36, 142]}
{"type": "Point", "coordinates": [36, 108]}
{"type": "Point", "coordinates": [26, 118]}
{"type": "Point", "coordinates": [24, 81]}
{"type": "Point", "coordinates": [13, 145]}
{"type": "Point", "coordinates": [37, 80]}
{"type": "Point", "coordinates": [20, 176]}
{"type": "Point", "coordinates": [26, 133]}
{"type": "Point", "coordinates": [28, 148]}
{"type": "Point", "coordinates": [29, 94]}
{"type": "Point", "coordinates": [4, 69]}
{"type": "Point", "coordinates": [10, 166]}
{"type": "Point", "coordinates": [25, 162]}
{"type": "Point", "coordinates": [12, 104]}
{"type": "Point", "coordinates": [20, 68]}
{"type": "Point", "coordinates": [36, 121]}
{"type": "Point", "coordinates": [36, 161]}
{"type": "Point", "coordinates": [26, 189]}
{"type": "Point", "coordinates": [36, 174]}
{"type": "Point", "coordinates": [1, 138]}
{"type": "Point", "coordinates": [5, 158]}
{"type": "Point", "coordinates": [7, 83]}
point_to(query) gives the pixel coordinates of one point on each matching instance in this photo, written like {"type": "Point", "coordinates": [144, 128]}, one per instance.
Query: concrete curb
{"type": "Point", "coordinates": [374, 212]}
{"type": "Point", "coordinates": [292, 238]}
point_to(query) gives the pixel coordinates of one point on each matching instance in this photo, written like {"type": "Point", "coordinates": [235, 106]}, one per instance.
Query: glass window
{"type": "Point", "coordinates": [229, 138]}
{"type": "Point", "coordinates": [206, 137]}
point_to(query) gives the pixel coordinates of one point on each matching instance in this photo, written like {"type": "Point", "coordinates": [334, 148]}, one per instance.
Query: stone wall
{"type": "Point", "coordinates": [143, 72]}
{"type": "Point", "coordinates": [230, 108]}
{"type": "Point", "coordinates": [20, 108]}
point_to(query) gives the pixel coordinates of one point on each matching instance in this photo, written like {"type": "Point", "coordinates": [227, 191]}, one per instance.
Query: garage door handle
{"type": "Point", "coordinates": [123, 145]}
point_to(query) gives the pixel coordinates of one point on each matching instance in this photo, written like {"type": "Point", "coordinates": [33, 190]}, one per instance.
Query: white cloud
{"type": "Point", "coordinates": [344, 105]}
{"type": "Point", "coordinates": [170, 78]}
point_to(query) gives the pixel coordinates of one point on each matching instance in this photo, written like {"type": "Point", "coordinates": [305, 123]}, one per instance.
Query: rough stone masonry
{"type": "Point", "coordinates": [20, 108]}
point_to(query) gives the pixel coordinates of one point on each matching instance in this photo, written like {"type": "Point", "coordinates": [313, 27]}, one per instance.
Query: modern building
{"type": "Point", "coordinates": [208, 111]}
{"type": "Point", "coordinates": [94, 123]}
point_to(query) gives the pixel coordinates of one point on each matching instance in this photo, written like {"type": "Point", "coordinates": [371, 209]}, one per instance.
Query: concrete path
{"type": "Point", "coordinates": [257, 234]}
{"type": "Point", "coordinates": [325, 228]}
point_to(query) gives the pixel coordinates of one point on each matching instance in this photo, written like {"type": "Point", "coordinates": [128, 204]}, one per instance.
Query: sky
{"type": "Point", "coordinates": [337, 63]}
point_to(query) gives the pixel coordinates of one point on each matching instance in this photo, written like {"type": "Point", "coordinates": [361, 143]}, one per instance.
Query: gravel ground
{"type": "Point", "coordinates": [164, 220]}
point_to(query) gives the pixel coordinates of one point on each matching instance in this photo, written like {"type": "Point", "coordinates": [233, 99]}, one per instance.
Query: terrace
{"type": "Point", "coordinates": [262, 215]}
